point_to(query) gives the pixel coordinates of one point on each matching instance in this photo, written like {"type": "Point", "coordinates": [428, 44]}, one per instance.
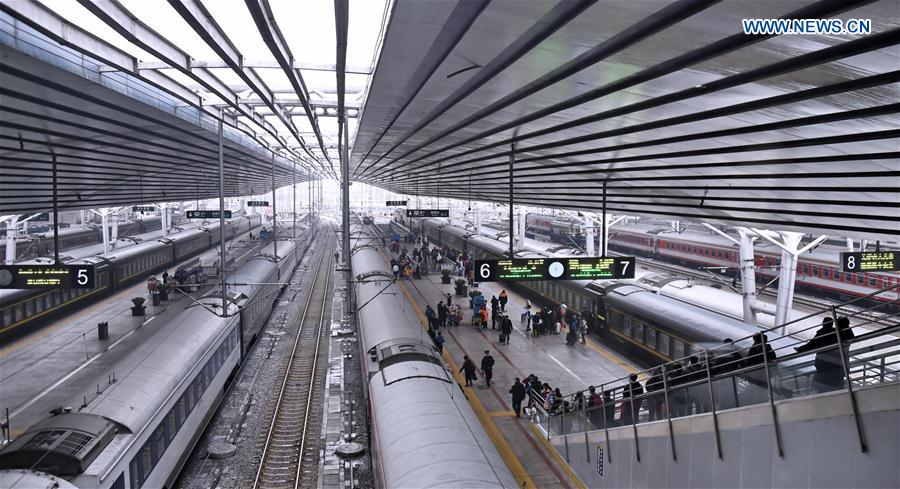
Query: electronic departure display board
{"type": "Point", "coordinates": [427, 212]}
{"type": "Point", "coordinates": [143, 208]}
{"type": "Point", "coordinates": [574, 268]}
{"type": "Point", "coordinates": [43, 217]}
{"type": "Point", "coordinates": [207, 214]}
{"type": "Point", "coordinates": [258, 203]}
{"type": "Point", "coordinates": [870, 261]}
{"type": "Point", "coordinates": [395, 203]}
{"type": "Point", "coordinates": [47, 277]}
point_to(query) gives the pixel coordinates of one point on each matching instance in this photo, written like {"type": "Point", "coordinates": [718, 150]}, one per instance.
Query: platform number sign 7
{"type": "Point", "coordinates": [625, 267]}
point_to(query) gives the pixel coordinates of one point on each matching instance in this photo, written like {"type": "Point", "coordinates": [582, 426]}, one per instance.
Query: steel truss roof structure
{"type": "Point", "coordinates": [668, 106]}
{"type": "Point", "coordinates": [123, 130]}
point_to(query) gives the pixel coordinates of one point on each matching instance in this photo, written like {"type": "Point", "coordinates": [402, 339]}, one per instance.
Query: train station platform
{"type": "Point", "coordinates": [521, 443]}
{"type": "Point", "coordinates": [66, 364]}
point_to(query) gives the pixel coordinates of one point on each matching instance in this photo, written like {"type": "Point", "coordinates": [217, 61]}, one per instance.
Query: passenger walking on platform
{"type": "Point", "coordinates": [503, 300]}
{"type": "Point", "coordinates": [630, 405]}
{"type": "Point", "coordinates": [487, 367]}
{"type": "Point", "coordinates": [495, 317]}
{"type": "Point", "coordinates": [449, 299]}
{"type": "Point", "coordinates": [582, 330]}
{"type": "Point", "coordinates": [534, 390]}
{"type": "Point", "coordinates": [507, 329]}
{"type": "Point", "coordinates": [429, 313]}
{"type": "Point", "coordinates": [442, 314]}
{"type": "Point", "coordinates": [484, 317]}
{"type": "Point", "coordinates": [495, 303]}
{"type": "Point", "coordinates": [518, 395]}
{"type": "Point", "coordinates": [468, 368]}
{"type": "Point", "coordinates": [439, 341]}
{"type": "Point", "coordinates": [609, 411]}
{"type": "Point", "coordinates": [337, 254]}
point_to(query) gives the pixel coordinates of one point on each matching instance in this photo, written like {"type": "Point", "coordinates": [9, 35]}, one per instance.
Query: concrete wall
{"type": "Point", "coordinates": [821, 447]}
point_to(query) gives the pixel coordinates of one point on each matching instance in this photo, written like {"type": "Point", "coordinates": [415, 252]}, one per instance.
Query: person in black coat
{"type": "Point", "coordinates": [507, 329]}
{"type": "Point", "coordinates": [487, 367]}
{"type": "Point", "coordinates": [518, 395]}
{"type": "Point", "coordinates": [829, 368]}
{"type": "Point", "coordinates": [469, 368]}
{"type": "Point", "coordinates": [442, 314]}
{"type": "Point", "coordinates": [630, 405]}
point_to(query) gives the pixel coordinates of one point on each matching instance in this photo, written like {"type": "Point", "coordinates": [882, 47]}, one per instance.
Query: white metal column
{"type": "Point", "coordinates": [11, 226]}
{"type": "Point", "coordinates": [589, 236]}
{"type": "Point", "coordinates": [477, 218]}
{"type": "Point", "coordinates": [748, 276]}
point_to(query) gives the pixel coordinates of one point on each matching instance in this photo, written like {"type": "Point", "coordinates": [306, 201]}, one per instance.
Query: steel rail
{"type": "Point", "coordinates": [323, 265]}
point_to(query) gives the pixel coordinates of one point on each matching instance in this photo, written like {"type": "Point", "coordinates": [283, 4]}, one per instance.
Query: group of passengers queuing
{"type": "Point", "coordinates": [185, 280]}
{"type": "Point", "coordinates": [422, 259]}
{"type": "Point", "coordinates": [724, 374]}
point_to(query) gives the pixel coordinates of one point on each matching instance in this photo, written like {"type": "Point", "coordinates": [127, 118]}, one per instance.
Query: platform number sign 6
{"type": "Point", "coordinates": [485, 270]}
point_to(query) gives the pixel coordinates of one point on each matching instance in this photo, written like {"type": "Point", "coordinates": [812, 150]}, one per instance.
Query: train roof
{"type": "Point", "coordinates": [418, 425]}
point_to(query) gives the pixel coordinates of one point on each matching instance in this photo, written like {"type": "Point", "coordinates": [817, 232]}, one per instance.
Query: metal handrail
{"type": "Point", "coordinates": [866, 365]}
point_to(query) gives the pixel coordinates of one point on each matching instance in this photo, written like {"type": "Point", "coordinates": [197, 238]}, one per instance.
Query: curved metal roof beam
{"type": "Point", "coordinates": [196, 15]}
{"type": "Point", "coordinates": [122, 21]}
{"type": "Point", "coordinates": [271, 34]}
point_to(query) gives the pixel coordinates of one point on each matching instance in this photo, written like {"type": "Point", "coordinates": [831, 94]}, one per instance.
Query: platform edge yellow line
{"type": "Point", "coordinates": [506, 452]}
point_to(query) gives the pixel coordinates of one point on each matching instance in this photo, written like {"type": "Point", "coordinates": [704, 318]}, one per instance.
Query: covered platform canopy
{"type": "Point", "coordinates": [666, 108]}
{"type": "Point", "coordinates": [667, 105]}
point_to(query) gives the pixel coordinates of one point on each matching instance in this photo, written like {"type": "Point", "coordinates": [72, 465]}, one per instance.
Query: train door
{"type": "Point", "coordinates": [597, 323]}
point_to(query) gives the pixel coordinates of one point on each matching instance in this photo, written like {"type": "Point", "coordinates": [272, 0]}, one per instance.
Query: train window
{"type": "Point", "coordinates": [677, 349]}
{"type": "Point", "coordinates": [638, 332]}
{"type": "Point", "coordinates": [134, 472]}
{"type": "Point", "coordinates": [815, 271]}
{"type": "Point", "coordinates": [650, 337]}
{"type": "Point", "coordinates": [860, 279]}
{"type": "Point", "coordinates": [805, 268]}
{"type": "Point", "coordinates": [872, 280]}
{"type": "Point", "coordinates": [626, 326]}
{"type": "Point", "coordinates": [146, 465]}
{"type": "Point", "coordinates": [157, 445]}
{"type": "Point", "coordinates": [663, 344]}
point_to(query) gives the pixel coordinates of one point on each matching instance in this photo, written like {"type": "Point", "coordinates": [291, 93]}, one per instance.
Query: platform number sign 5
{"type": "Point", "coordinates": [47, 277]}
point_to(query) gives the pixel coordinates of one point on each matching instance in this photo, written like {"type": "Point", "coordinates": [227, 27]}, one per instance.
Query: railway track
{"type": "Point", "coordinates": [289, 447]}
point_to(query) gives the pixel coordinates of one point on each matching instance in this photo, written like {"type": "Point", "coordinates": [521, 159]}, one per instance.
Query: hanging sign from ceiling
{"type": "Point", "coordinates": [870, 261]}
{"type": "Point", "coordinates": [575, 268]}
{"type": "Point", "coordinates": [258, 203]}
{"type": "Point", "coordinates": [427, 212]}
{"type": "Point", "coordinates": [47, 277]}
{"type": "Point", "coordinates": [143, 208]}
{"type": "Point", "coordinates": [395, 203]}
{"type": "Point", "coordinates": [207, 214]}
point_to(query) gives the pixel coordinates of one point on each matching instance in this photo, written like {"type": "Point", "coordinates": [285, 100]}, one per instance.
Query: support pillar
{"type": "Point", "coordinates": [849, 244]}
{"type": "Point", "coordinates": [222, 218]}
{"type": "Point", "coordinates": [787, 276]}
{"type": "Point", "coordinates": [114, 238]}
{"type": "Point", "coordinates": [477, 219]}
{"type": "Point", "coordinates": [521, 229]}
{"type": "Point", "coordinates": [748, 276]}
{"type": "Point", "coordinates": [11, 240]}
{"type": "Point", "coordinates": [589, 236]}
{"type": "Point", "coordinates": [104, 223]}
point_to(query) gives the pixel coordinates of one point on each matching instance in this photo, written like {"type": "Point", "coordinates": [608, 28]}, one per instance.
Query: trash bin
{"type": "Point", "coordinates": [103, 330]}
